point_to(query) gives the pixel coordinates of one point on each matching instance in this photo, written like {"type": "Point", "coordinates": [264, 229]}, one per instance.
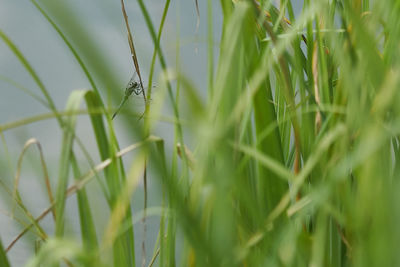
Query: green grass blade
{"type": "Point", "coordinates": [88, 227]}
{"type": "Point", "coordinates": [3, 257]}
{"type": "Point", "coordinates": [69, 45]}
{"type": "Point", "coordinates": [64, 164]}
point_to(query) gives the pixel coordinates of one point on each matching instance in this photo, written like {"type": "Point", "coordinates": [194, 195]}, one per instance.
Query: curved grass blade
{"type": "Point", "coordinates": [30, 70]}
{"type": "Point", "coordinates": [69, 45]}
{"type": "Point", "coordinates": [83, 180]}
{"type": "Point", "coordinates": [25, 90]}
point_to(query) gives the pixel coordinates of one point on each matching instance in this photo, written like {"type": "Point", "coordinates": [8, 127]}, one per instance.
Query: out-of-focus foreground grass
{"type": "Point", "coordinates": [295, 154]}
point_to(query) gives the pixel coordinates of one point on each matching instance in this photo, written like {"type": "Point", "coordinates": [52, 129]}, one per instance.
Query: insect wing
{"type": "Point", "coordinates": [132, 80]}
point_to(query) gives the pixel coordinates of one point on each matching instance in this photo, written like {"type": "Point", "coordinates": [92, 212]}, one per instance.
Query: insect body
{"type": "Point", "coordinates": [133, 86]}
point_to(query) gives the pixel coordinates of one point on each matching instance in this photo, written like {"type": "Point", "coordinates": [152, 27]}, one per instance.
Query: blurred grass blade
{"type": "Point", "coordinates": [25, 90]}
{"type": "Point", "coordinates": [55, 250]}
{"type": "Point", "coordinates": [152, 65]}
{"type": "Point", "coordinates": [269, 162]}
{"type": "Point", "coordinates": [68, 43]}
{"type": "Point", "coordinates": [88, 228]}
{"type": "Point", "coordinates": [73, 103]}
{"type": "Point", "coordinates": [29, 68]}
{"type": "Point", "coordinates": [124, 247]}
{"type": "Point", "coordinates": [3, 257]}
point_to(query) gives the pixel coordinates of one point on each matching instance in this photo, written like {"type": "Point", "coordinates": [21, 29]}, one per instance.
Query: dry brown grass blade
{"type": "Point", "coordinates": [37, 220]}
{"type": "Point", "coordinates": [132, 48]}
{"type": "Point", "coordinates": [154, 258]}
{"type": "Point", "coordinates": [318, 118]}
{"type": "Point", "coordinates": [15, 194]}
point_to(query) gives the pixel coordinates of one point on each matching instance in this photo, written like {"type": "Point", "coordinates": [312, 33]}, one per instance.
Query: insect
{"type": "Point", "coordinates": [133, 86]}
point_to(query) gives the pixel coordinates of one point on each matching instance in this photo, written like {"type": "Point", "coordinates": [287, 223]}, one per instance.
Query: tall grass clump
{"type": "Point", "coordinates": [293, 158]}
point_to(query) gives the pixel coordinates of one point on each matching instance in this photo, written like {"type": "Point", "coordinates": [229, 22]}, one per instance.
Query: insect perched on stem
{"type": "Point", "coordinates": [132, 87]}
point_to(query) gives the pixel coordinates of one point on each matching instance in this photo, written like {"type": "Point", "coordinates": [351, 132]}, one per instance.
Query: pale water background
{"type": "Point", "coordinates": [61, 74]}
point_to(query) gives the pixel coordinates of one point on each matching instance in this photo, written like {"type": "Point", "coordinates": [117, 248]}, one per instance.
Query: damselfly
{"type": "Point", "coordinates": [132, 87]}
